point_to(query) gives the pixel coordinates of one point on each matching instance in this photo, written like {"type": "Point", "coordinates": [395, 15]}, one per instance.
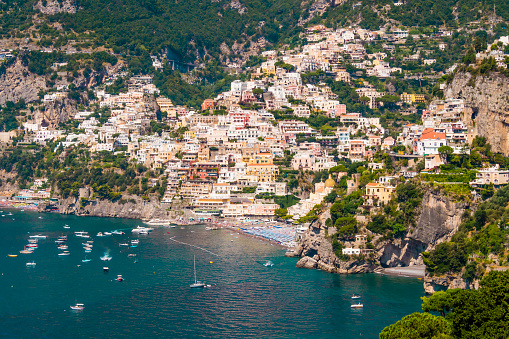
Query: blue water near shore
{"type": "Point", "coordinates": [246, 299]}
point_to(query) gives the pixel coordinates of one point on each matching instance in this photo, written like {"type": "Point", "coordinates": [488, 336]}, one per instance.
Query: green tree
{"type": "Point", "coordinates": [418, 326]}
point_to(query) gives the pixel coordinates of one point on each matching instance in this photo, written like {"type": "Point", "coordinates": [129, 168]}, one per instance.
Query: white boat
{"type": "Point", "coordinates": [67, 226]}
{"type": "Point", "coordinates": [117, 232]}
{"type": "Point", "coordinates": [26, 251]}
{"type": "Point", "coordinates": [123, 244]}
{"type": "Point", "coordinates": [135, 241]}
{"type": "Point", "coordinates": [131, 255]}
{"type": "Point", "coordinates": [196, 284]}
{"type": "Point", "coordinates": [119, 278]}
{"type": "Point", "coordinates": [38, 236]}
{"type": "Point", "coordinates": [356, 296]}
{"type": "Point", "coordinates": [105, 258]}
{"type": "Point", "coordinates": [63, 247]}
{"type": "Point", "coordinates": [33, 241]}
{"type": "Point", "coordinates": [359, 305]}
{"type": "Point", "coordinates": [106, 269]}
{"type": "Point", "coordinates": [81, 234]}
{"type": "Point", "coordinates": [9, 213]}
{"type": "Point", "coordinates": [78, 307]}
{"type": "Point", "coordinates": [268, 264]}
{"type": "Point", "coordinates": [64, 253]}
{"type": "Point", "coordinates": [141, 229]}
{"type": "Point", "coordinates": [40, 217]}
{"type": "Point", "coordinates": [143, 232]}
{"type": "Point", "coordinates": [31, 264]}
{"type": "Point", "coordinates": [100, 234]}
{"type": "Point", "coordinates": [107, 233]}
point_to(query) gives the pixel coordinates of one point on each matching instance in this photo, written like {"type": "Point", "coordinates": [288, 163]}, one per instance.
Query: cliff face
{"type": "Point", "coordinates": [53, 6]}
{"type": "Point", "coordinates": [56, 112]}
{"type": "Point", "coordinates": [434, 284]}
{"type": "Point", "coordinates": [18, 83]}
{"type": "Point", "coordinates": [486, 106]}
{"type": "Point", "coordinates": [438, 220]}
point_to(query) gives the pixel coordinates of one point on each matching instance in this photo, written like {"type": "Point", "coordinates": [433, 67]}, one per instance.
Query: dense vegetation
{"type": "Point", "coordinates": [414, 13]}
{"type": "Point", "coordinates": [183, 28]}
{"type": "Point", "coordinates": [8, 115]}
{"type": "Point", "coordinates": [465, 314]}
{"type": "Point", "coordinates": [482, 233]}
{"type": "Point", "coordinates": [68, 170]}
{"type": "Point", "coordinates": [399, 214]}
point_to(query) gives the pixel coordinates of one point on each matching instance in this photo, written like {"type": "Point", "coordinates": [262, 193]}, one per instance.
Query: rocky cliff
{"type": "Point", "coordinates": [18, 83]}
{"type": "Point", "coordinates": [437, 221]}
{"type": "Point", "coordinates": [53, 6]}
{"type": "Point", "coordinates": [486, 106]}
{"type": "Point", "coordinates": [434, 284]}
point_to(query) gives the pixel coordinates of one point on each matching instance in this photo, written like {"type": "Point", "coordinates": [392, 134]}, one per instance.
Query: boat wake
{"type": "Point", "coordinates": [201, 248]}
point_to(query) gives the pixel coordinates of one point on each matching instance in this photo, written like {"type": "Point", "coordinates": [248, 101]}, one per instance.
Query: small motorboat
{"type": "Point", "coordinates": [31, 264]}
{"type": "Point", "coordinates": [268, 264]}
{"type": "Point", "coordinates": [106, 269]}
{"type": "Point", "coordinates": [119, 278]}
{"type": "Point", "coordinates": [64, 253]}
{"type": "Point", "coordinates": [131, 255]}
{"type": "Point", "coordinates": [33, 241]}
{"type": "Point", "coordinates": [32, 246]}
{"type": "Point", "coordinates": [38, 236]}
{"type": "Point", "coordinates": [105, 258]}
{"type": "Point", "coordinates": [40, 217]}
{"type": "Point", "coordinates": [123, 244]}
{"type": "Point", "coordinates": [107, 233]}
{"type": "Point", "coordinates": [359, 305]}
{"type": "Point", "coordinates": [117, 232]}
{"type": "Point", "coordinates": [67, 226]}
{"type": "Point", "coordinates": [100, 234]}
{"type": "Point", "coordinates": [12, 255]}
{"type": "Point", "coordinates": [78, 307]}
{"type": "Point", "coordinates": [63, 247]}
{"type": "Point", "coordinates": [86, 260]}
{"type": "Point", "coordinates": [356, 296]}
{"type": "Point", "coordinates": [26, 251]}
{"type": "Point", "coordinates": [135, 241]}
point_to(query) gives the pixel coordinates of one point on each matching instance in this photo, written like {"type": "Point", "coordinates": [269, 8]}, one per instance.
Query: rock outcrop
{"type": "Point", "coordinates": [56, 112]}
{"type": "Point", "coordinates": [486, 106]}
{"type": "Point", "coordinates": [54, 6]}
{"type": "Point", "coordinates": [437, 221]}
{"type": "Point", "coordinates": [434, 284]}
{"type": "Point", "coordinates": [18, 83]}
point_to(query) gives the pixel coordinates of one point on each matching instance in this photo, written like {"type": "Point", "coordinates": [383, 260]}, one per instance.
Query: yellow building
{"type": "Point", "coordinates": [379, 193]}
{"type": "Point", "coordinates": [189, 135]}
{"type": "Point", "coordinates": [413, 98]}
{"type": "Point", "coordinates": [264, 172]}
{"type": "Point", "coordinates": [261, 158]}
{"type": "Point", "coordinates": [165, 104]}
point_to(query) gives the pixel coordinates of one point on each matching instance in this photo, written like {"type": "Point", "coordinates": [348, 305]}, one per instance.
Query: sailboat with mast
{"type": "Point", "coordinates": [196, 284]}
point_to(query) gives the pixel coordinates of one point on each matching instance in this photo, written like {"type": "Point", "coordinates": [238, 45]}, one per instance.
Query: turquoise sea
{"type": "Point", "coordinates": [246, 299]}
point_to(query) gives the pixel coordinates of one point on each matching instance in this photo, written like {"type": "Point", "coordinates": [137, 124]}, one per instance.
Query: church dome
{"type": "Point", "coordinates": [330, 182]}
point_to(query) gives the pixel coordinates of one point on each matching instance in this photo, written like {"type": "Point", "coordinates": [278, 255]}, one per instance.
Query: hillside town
{"type": "Point", "coordinates": [238, 154]}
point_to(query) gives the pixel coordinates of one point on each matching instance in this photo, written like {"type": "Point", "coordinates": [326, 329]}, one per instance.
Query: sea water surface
{"type": "Point", "coordinates": [246, 299]}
